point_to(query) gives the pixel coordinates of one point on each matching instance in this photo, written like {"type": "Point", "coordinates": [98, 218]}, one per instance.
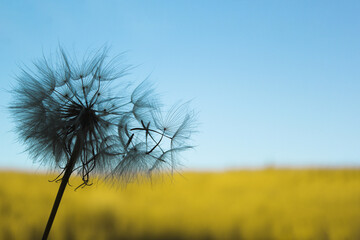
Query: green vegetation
{"type": "Point", "coordinates": [262, 204]}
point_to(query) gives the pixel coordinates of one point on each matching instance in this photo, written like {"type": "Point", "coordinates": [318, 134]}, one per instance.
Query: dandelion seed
{"type": "Point", "coordinates": [69, 118]}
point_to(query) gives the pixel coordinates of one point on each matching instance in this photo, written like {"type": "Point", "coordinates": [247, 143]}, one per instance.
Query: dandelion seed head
{"type": "Point", "coordinates": [61, 101]}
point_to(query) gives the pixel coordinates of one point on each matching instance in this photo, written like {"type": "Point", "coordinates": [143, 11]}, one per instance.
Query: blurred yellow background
{"type": "Point", "coordinates": [247, 204]}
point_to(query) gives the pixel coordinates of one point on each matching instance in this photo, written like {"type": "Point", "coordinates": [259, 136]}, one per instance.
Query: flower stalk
{"type": "Point", "coordinates": [64, 181]}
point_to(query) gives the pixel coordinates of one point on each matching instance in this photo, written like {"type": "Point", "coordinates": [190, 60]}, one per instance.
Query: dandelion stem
{"type": "Point", "coordinates": [69, 167]}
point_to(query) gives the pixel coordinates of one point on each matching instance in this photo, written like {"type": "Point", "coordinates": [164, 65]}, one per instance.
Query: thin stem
{"type": "Point", "coordinates": [83, 89]}
{"type": "Point", "coordinates": [149, 130]}
{"type": "Point", "coordinates": [157, 144]}
{"type": "Point", "coordinates": [74, 156]}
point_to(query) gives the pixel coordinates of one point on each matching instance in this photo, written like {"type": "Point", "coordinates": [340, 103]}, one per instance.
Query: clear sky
{"type": "Point", "coordinates": [274, 82]}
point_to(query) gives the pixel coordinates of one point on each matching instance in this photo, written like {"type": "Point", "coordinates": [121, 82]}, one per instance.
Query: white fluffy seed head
{"type": "Point", "coordinates": [60, 99]}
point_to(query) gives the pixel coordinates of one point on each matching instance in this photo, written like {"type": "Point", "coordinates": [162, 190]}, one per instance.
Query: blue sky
{"type": "Point", "coordinates": [275, 82]}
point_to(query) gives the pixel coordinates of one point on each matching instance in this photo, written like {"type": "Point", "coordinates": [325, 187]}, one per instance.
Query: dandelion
{"type": "Point", "coordinates": [71, 118]}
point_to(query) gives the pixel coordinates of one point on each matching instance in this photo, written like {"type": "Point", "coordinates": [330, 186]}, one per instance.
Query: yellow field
{"type": "Point", "coordinates": [262, 204]}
